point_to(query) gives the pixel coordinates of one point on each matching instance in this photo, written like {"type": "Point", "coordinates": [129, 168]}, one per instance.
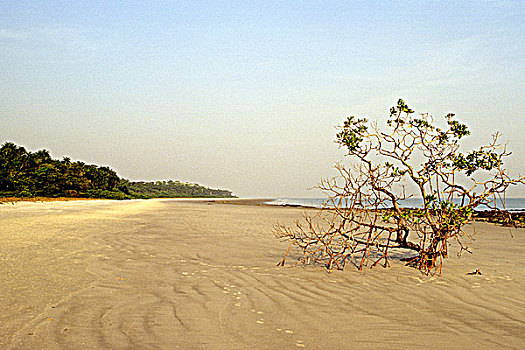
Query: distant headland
{"type": "Point", "coordinates": [26, 174]}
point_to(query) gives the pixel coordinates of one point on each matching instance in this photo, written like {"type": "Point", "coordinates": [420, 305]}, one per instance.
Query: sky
{"type": "Point", "coordinates": [245, 95]}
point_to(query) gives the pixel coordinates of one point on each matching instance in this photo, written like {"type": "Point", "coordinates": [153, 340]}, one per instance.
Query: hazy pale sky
{"type": "Point", "coordinates": [244, 95]}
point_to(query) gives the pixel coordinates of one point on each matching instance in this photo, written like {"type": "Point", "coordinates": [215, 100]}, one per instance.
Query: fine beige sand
{"type": "Point", "coordinates": [164, 274]}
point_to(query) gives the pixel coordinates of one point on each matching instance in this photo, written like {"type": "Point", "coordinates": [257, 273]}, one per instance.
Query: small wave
{"type": "Point", "coordinates": [511, 204]}
{"type": "Point", "coordinates": [299, 202]}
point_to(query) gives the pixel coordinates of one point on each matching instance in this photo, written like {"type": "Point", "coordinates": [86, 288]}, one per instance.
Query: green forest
{"type": "Point", "coordinates": [37, 174]}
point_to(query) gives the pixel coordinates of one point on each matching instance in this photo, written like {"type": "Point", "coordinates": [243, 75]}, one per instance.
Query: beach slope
{"type": "Point", "coordinates": [163, 274]}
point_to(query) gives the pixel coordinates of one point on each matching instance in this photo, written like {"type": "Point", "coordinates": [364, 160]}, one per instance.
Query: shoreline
{"type": "Point", "coordinates": [227, 200]}
{"type": "Point", "coordinates": [180, 199]}
{"type": "Point", "coordinates": [4, 200]}
{"type": "Point", "coordinates": [489, 216]}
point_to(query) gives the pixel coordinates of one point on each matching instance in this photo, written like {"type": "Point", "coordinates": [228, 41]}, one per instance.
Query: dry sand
{"type": "Point", "coordinates": [169, 274]}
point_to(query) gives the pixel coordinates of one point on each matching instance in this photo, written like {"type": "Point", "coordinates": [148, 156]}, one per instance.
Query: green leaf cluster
{"type": "Point", "coordinates": [352, 133]}
{"type": "Point", "coordinates": [476, 160]}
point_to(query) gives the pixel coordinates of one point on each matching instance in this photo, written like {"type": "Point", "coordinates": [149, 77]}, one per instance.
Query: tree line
{"type": "Point", "coordinates": [172, 189]}
{"type": "Point", "coordinates": [36, 174]}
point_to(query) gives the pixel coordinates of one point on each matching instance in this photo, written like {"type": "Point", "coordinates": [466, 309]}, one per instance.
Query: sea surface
{"type": "Point", "coordinates": [511, 204]}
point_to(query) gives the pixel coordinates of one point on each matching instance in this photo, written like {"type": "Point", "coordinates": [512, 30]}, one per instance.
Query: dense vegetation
{"type": "Point", "coordinates": [171, 189]}
{"type": "Point", "coordinates": [37, 174]}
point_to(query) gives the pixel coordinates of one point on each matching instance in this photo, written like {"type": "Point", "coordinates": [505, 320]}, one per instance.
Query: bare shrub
{"type": "Point", "coordinates": [367, 222]}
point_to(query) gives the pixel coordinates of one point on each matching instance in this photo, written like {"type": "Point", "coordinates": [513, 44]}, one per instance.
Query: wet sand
{"type": "Point", "coordinates": [163, 274]}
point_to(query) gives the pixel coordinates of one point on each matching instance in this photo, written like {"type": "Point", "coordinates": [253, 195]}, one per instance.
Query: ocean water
{"type": "Point", "coordinates": [511, 204]}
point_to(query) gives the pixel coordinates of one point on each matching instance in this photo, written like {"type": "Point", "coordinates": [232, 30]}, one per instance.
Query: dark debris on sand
{"type": "Point", "coordinates": [502, 217]}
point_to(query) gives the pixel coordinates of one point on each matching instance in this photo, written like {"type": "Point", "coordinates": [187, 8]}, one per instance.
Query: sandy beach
{"type": "Point", "coordinates": [163, 274]}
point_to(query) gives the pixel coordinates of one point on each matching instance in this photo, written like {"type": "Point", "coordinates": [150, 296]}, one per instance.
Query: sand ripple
{"type": "Point", "coordinates": [171, 275]}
